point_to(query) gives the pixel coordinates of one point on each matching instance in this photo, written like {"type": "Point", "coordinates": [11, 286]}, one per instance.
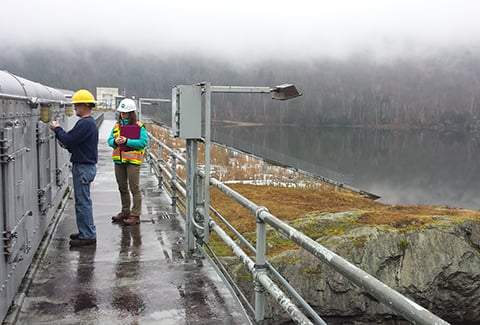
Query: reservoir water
{"type": "Point", "coordinates": [402, 167]}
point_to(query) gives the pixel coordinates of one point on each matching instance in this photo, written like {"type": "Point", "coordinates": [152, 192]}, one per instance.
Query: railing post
{"type": "Point", "coordinates": [260, 265]}
{"type": "Point", "coordinates": [159, 164]}
{"type": "Point", "coordinates": [147, 156]}
{"type": "Point", "coordinates": [173, 187]}
{"type": "Point", "coordinates": [191, 197]}
{"type": "Point", "coordinates": [200, 204]}
{"type": "Point", "coordinates": [206, 199]}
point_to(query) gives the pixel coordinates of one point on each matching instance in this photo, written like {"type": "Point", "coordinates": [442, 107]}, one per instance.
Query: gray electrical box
{"type": "Point", "coordinates": [187, 111]}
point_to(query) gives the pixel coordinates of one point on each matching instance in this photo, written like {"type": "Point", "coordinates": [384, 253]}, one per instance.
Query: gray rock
{"type": "Point", "coordinates": [436, 265]}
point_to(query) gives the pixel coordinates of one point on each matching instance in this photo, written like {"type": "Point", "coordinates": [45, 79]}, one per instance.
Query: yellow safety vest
{"type": "Point", "coordinates": [134, 156]}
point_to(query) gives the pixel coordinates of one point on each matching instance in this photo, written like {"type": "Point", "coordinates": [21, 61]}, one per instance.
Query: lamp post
{"type": "Point", "coordinates": [186, 122]}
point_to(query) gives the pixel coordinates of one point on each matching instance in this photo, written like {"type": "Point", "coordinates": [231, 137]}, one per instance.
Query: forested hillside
{"type": "Point", "coordinates": [434, 91]}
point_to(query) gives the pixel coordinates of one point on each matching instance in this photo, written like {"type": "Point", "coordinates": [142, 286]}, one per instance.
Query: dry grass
{"type": "Point", "coordinates": [290, 203]}
{"type": "Point", "coordinates": [286, 203]}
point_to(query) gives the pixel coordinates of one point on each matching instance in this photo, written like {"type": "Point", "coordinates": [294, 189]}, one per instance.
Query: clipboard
{"type": "Point", "coordinates": [129, 132]}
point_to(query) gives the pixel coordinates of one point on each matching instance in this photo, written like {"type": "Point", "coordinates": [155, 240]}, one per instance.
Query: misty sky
{"type": "Point", "coordinates": [245, 29]}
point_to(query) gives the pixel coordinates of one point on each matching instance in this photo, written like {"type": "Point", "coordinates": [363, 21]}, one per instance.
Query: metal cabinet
{"type": "Point", "coordinates": [33, 175]}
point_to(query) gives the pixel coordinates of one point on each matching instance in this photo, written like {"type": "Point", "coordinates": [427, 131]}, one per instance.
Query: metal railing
{"type": "Point", "coordinates": [164, 163]}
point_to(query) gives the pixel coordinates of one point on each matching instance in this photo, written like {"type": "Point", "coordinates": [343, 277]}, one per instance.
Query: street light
{"type": "Point", "coordinates": [285, 92]}
{"type": "Point", "coordinates": [186, 122]}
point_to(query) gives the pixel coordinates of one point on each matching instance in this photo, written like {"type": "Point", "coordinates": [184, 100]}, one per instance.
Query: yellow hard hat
{"type": "Point", "coordinates": [83, 96]}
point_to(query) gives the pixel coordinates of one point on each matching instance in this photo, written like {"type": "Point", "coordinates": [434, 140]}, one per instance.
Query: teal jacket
{"type": "Point", "coordinates": [136, 144]}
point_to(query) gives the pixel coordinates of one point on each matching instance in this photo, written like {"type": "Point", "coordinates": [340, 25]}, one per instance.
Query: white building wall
{"type": "Point", "coordinates": [106, 97]}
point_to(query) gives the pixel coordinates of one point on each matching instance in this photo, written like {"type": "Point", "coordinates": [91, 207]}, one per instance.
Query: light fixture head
{"type": "Point", "coordinates": [285, 91]}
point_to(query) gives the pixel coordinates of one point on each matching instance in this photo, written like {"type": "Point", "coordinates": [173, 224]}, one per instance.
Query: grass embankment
{"type": "Point", "coordinates": [291, 201]}
{"type": "Point", "coordinates": [290, 204]}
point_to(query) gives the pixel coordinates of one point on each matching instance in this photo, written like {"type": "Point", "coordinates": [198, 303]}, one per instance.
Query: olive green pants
{"type": "Point", "coordinates": [128, 180]}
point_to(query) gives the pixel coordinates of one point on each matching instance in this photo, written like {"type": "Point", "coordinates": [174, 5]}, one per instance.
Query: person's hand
{"type": "Point", "coordinates": [54, 125]}
{"type": "Point", "coordinates": [120, 140]}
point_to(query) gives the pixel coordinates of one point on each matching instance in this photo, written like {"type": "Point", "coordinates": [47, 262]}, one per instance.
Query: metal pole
{"type": "Point", "coordinates": [159, 164]}
{"type": "Point", "coordinates": [260, 266]}
{"type": "Point", "coordinates": [173, 187]}
{"type": "Point", "coordinates": [208, 116]}
{"type": "Point", "coordinates": [240, 89]}
{"type": "Point", "coordinates": [139, 109]}
{"type": "Point", "coordinates": [156, 100]}
{"type": "Point", "coordinates": [191, 197]}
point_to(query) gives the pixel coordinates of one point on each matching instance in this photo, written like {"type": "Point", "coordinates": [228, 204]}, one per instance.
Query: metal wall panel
{"type": "Point", "coordinates": [187, 111]}
{"type": "Point", "coordinates": [34, 173]}
{"type": "Point", "coordinates": [46, 166]}
{"type": "Point", "coordinates": [4, 298]}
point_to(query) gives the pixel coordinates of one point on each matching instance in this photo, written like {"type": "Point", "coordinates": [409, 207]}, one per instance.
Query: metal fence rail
{"type": "Point", "coordinates": [164, 164]}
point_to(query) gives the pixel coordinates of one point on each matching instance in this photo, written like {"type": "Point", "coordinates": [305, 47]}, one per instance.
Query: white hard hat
{"type": "Point", "coordinates": [127, 105]}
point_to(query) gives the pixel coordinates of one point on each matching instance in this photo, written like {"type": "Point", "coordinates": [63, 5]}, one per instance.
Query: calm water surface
{"type": "Point", "coordinates": [403, 167]}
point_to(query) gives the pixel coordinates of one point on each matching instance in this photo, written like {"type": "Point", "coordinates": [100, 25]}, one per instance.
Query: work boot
{"type": "Point", "coordinates": [132, 220]}
{"type": "Point", "coordinates": [120, 217]}
{"type": "Point", "coordinates": [75, 236]}
{"type": "Point", "coordinates": [83, 242]}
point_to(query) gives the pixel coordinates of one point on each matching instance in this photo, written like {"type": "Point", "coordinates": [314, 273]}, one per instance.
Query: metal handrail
{"type": "Point", "coordinates": [274, 271]}
{"type": "Point", "coordinates": [386, 295]}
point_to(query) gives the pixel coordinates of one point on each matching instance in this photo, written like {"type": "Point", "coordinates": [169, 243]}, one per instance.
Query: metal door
{"type": "Point", "coordinates": [17, 187]}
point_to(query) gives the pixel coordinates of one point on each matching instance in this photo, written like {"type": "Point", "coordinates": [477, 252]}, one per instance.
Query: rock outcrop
{"type": "Point", "coordinates": [437, 265]}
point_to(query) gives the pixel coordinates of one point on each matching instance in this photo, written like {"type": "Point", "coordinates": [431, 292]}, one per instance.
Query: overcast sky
{"type": "Point", "coordinates": [245, 28]}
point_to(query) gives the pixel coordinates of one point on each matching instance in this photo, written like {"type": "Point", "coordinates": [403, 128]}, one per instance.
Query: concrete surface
{"type": "Point", "coordinates": [134, 275]}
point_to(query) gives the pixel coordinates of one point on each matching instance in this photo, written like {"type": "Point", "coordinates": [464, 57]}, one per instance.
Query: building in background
{"type": "Point", "coordinates": [106, 97]}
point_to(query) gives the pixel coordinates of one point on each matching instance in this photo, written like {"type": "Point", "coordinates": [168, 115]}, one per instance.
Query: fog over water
{"type": "Point", "coordinates": [414, 167]}
{"type": "Point", "coordinates": [401, 168]}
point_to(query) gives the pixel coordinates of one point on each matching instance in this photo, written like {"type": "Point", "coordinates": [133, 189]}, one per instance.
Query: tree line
{"type": "Point", "coordinates": [434, 91]}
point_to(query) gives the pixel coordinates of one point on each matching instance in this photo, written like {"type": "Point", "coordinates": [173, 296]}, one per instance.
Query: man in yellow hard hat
{"type": "Point", "coordinates": [82, 142]}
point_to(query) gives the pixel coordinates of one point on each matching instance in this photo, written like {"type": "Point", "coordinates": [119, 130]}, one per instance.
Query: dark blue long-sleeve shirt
{"type": "Point", "coordinates": [81, 141]}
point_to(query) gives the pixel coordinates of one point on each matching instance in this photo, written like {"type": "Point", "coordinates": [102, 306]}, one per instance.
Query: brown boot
{"type": "Point", "coordinates": [132, 220]}
{"type": "Point", "coordinates": [120, 217]}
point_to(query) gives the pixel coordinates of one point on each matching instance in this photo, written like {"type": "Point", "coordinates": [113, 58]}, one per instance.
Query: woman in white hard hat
{"type": "Point", "coordinates": [128, 139]}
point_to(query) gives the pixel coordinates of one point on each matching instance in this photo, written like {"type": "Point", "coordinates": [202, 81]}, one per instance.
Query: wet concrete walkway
{"type": "Point", "coordinates": [135, 275]}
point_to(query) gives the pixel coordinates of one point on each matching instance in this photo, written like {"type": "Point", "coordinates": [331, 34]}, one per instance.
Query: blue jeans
{"type": "Point", "coordinates": [83, 175]}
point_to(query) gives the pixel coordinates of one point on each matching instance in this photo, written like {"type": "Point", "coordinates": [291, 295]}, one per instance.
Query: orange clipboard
{"type": "Point", "coordinates": [129, 132]}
